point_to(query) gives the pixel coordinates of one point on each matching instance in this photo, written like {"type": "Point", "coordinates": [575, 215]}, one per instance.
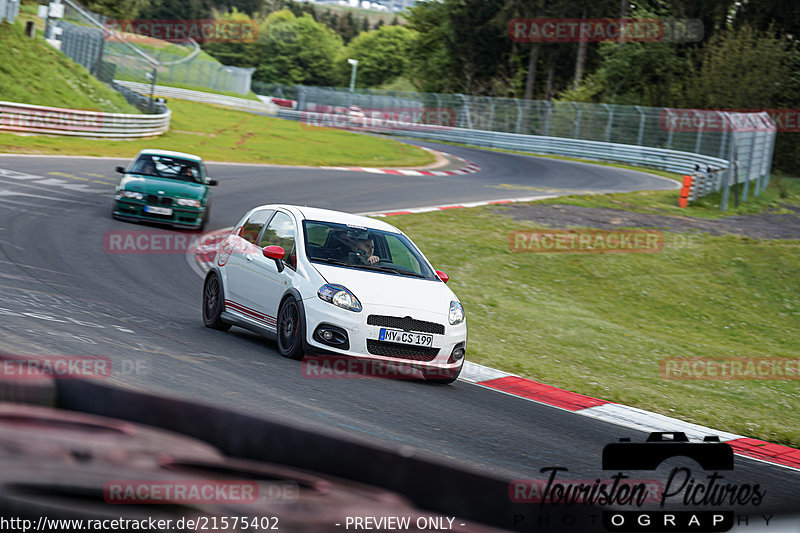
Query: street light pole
{"type": "Point", "coordinates": [353, 62]}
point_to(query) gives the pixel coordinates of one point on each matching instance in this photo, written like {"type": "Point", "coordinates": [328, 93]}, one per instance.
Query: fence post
{"type": "Point", "coordinates": [699, 135]}
{"type": "Point", "coordinates": [750, 167]}
{"type": "Point", "coordinates": [466, 110]}
{"type": "Point", "coordinates": [642, 117]}
{"type": "Point", "coordinates": [577, 129]}
{"type": "Point", "coordinates": [610, 121]}
{"type": "Point", "coordinates": [731, 166]}
{"type": "Point", "coordinates": [548, 116]}
{"type": "Point", "coordinates": [670, 130]}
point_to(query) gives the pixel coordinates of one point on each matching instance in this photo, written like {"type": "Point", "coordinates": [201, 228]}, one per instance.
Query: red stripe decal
{"type": "Point", "coordinates": [766, 451]}
{"type": "Point", "coordinates": [267, 319]}
{"type": "Point", "coordinates": [542, 393]}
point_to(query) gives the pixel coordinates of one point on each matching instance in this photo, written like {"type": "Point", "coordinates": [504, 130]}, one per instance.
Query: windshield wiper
{"type": "Point", "coordinates": [332, 261]}
{"type": "Point", "coordinates": [402, 272]}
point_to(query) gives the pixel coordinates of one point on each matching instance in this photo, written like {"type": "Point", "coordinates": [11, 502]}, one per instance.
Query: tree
{"type": "Point", "coordinates": [739, 68]}
{"type": "Point", "coordinates": [633, 73]}
{"type": "Point", "coordinates": [296, 50]}
{"type": "Point", "coordinates": [118, 9]}
{"type": "Point", "coordinates": [177, 9]}
{"type": "Point", "coordinates": [461, 47]}
{"type": "Point", "coordinates": [748, 69]}
{"type": "Point", "coordinates": [383, 55]}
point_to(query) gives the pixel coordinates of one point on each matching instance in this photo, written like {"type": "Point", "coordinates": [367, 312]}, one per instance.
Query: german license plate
{"type": "Point", "coordinates": [157, 210]}
{"type": "Point", "coordinates": [406, 337]}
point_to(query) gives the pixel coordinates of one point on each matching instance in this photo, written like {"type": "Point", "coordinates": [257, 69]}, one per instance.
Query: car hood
{"type": "Point", "coordinates": [170, 187]}
{"type": "Point", "coordinates": [389, 289]}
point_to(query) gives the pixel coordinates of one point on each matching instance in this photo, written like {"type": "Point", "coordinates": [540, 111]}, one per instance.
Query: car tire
{"type": "Point", "coordinates": [213, 298]}
{"type": "Point", "coordinates": [291, 329]}
{"type": "Point", "coordinates": [450, 378]}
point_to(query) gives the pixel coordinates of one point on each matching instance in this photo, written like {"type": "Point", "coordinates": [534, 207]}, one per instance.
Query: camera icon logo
{"type": "Point", "coordinates": [711, 454]}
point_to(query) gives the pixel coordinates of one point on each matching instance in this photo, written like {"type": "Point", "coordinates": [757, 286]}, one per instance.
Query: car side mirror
{"type": "Point", "coordinates": [211, 182]}
{"type": "Point", "coordinates": [442, 276]}
{"type": "Point", "coordinates": [277, 254]}
{"type": "Point", "coordinates": [121, 170]}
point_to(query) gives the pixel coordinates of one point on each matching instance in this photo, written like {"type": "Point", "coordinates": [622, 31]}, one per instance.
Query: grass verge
{"type": "Point", "coordinates": [32, 72]}
{"type": "Point", "coordinates": [601, 324]}
{"type": "Point", "coordinates": [783, 190]}
{"type": "Point", "coordinates": [219, 134]}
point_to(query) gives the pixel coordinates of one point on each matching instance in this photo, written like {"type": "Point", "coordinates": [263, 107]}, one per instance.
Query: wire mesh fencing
{"type": "Point", "coordinates": [100, 44]}
{"type": "Point", "coordinates": [743, 140]}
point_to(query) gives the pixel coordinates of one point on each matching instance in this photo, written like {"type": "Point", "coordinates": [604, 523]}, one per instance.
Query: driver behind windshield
{"type": "Point", "coordinates": [146, 166]}
{"type": "Point", "coordinates": [355, 251]}
{"type": "Point", "coordinates": [365, 251]}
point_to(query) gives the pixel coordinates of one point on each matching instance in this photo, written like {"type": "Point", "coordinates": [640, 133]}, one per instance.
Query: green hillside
{"type": "Point", "coordinates": [33, 72]}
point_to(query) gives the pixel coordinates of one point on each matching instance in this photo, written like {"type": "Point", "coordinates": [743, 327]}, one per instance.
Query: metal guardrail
{"type": "Point", "coordinates": [9, 9]}
{"type": "Point", "coordinates": [79, 123]}
{"type": "Point", "coordinates": [677, 140]}
{"type": "Point", "coordinates": [670, 160]}
{"type": "Point", "coordinates": [140, 101]}
{"type": "Point", "coordinates": [203, 97]}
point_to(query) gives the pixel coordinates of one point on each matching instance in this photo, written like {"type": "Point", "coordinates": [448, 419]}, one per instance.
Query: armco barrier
{"type": "Point", "coordinates": [670, 160]}
{"type": "Point", "coordinates": [202, 97]}
{"type": "Point", "coordinates": [79, 123]}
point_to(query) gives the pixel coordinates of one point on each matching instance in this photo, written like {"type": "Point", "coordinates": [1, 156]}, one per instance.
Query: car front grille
{"type": "Point", "coordinates": [152, 199]}
{"type": "Point", "coordinates": [405, 323]}
{"type": "Point", "coordinates": [401, 351]}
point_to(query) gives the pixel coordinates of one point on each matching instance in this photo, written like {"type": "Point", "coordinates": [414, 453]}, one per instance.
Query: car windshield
{"type": "Point", "coordinates": [167, 167]}
{"type": "Point", "coordinates": [365, 248]}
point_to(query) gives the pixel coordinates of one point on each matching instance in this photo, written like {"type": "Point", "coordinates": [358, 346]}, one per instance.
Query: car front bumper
{"type": "Point", "coordinates": [364, 339]}
{"type": "Point", "coordinates": [186, 217]}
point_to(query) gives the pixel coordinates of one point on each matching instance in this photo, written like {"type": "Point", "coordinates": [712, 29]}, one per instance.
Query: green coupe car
{"type": "Point", "coordinates": [164, 187]}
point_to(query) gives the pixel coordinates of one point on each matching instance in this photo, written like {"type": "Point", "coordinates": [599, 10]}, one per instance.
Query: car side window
{"type": "Point", "coordinates": [280, 232]}
{"type": "Point", "coordinates": [400, 254]}
{"type": "Point", "coordinates": [252, 228]}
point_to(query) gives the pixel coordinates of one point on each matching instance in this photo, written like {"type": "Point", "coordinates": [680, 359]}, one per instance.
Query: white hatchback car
{"type": "Point", "coordinates": [320, 281]}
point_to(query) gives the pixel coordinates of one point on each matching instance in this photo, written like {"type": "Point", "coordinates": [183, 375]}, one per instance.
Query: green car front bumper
{"type": "Point", "coordinates": [184, 217]}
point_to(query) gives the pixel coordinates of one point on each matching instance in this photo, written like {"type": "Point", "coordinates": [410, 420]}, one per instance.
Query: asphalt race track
{"type": "Point", "coordinates": [61, 292]}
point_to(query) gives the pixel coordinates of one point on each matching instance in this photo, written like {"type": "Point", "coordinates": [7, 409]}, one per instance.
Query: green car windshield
{"type": "Point", "coordinates": [167, 167]}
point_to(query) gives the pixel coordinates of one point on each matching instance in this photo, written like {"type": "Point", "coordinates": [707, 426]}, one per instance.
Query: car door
{"type": "Point", "coordinates": [244, 243]}
{"type": "Point", "coordinates": [264, 279]}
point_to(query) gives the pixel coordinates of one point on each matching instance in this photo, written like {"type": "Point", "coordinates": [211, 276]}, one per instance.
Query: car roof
{"type": "Point", "coordinates": [169, 153]}
{"type": "Point", "coordinates": [339, 217]}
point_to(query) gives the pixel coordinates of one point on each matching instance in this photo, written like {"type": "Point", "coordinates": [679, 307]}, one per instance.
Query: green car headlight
{"type": "Point", "coordinates": [189, 203]}
{"type": "Point", "coordinates": [131, 194]}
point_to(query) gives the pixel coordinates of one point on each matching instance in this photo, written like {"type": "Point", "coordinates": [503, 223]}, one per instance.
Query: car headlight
{"type": "Point", "coordinates": [339, 296]}
{"type": "Point", "coordinates": [131, 194]}
{"type": "Point", "coordinates": [188, 202]}
{"type": "Point", "coordinates": [456, 314]}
